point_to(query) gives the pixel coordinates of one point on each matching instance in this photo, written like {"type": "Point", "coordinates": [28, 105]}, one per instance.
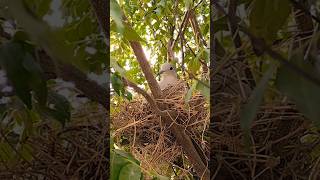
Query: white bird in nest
{"type": "Point", "coordinates": [168, 76]}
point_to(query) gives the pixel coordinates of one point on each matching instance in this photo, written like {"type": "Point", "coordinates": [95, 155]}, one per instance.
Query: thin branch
{"type": "Point", "coordinates": [196, 28]}
{"type": "Point", "coordinates": [262, 45]}
{"type": "Point", "coordinates": [144, 94]}
{"type": "Point", "coordinates": [182, 27]}
{"type": "Point", "coordinates": [232, 9]}
{"type": "Point", "coordinates": [298, 5]}
{"type": "Point", "coordinates": [183, 59]}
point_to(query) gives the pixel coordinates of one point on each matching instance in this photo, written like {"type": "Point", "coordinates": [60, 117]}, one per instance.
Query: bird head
{"type": "Point", "coordinates": [167, 69]}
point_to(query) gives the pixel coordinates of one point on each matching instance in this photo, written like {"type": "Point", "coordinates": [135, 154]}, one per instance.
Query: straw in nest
{"type": "Point", "coordinates": [149, 139]}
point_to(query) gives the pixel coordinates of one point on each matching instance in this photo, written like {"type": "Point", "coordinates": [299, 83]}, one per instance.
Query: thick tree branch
{"type": "Point", "coordinates": [146, 69]}
{"type": "Point", "coordinates": [68, 72]}
{"type": "Point", "coordinates": [101, 9]}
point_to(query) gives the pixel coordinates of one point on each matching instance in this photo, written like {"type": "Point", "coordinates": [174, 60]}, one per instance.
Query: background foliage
{"type": "Point", "coordinates": [266, 55]}
{"type": "Point", "coordinates": [48, 49]}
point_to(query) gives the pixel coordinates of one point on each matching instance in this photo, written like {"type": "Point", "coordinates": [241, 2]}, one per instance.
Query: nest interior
{"type": "Point", "coordinates": [139, 129]}
{"type": "Point", "coordinates": [78, 151]}
{"type": "Point", "coordinates": [278, 149]}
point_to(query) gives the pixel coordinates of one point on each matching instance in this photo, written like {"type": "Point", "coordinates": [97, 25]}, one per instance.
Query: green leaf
{"type": "Point", "coordinates": [11, 56]}
{"type": "Point", "coordinates": [37, 82]}
{"type": "Point", "coordinates": [39, 7]}
{"type": "Point", "coordinates": [21, 36]}
{"type": "Point", "coordinates": [249, 111]}
{"type": "Point", "coordinates": [190, 91]}
{"type": "Point", "coordinates": [203, 87]}
{"type": "Point", "coordinates": [131, 35]}
{"type": "Point", "coordinates": [117, 84]}
{"type": "Point", "coordinates": [116, 67]}
{"type": "Point", "coordinates": [302, 91]}
{"type": "Point", "coordinates": [23, 72]}
{"type": "Point", "coordinates": [116, 15]}
{"type": "Point", "coordinates": [194, 64]}
{"type": "Point", "coordinates": [130, 171]}
{"type": "Point", "coordinates": [26, 152]}
{"type": "Point", "coordinates": [188, 4]}
{"type": "Point", "coordinates": [221, 24]}
{"type": "Point", "coordinates": [40, 32]}
{"type": "Point", "coordinates": [119, 160]}
{"type": "Point", "coordinates": [6, 152]}
{"type": "Point", "coordinates": [128, 95]}
{"type": "Point", "coordinates": [267, 17]}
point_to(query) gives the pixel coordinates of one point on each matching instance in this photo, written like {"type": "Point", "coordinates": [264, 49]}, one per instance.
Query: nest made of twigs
{"type": "Point", "coordinates": [78, 151]}
{"type": "Point", "coordinates": [140, 129]}
{"type": "Point", "coordinates": [276, 149]}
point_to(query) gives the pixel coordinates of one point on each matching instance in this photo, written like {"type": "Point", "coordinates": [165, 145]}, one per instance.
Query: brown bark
{"type": "Point", "coordinates": [68, 72]}
{"type": "Point", "coordinates": [101, 9]}
{"type": "Point", "coordinates": [146, 69]}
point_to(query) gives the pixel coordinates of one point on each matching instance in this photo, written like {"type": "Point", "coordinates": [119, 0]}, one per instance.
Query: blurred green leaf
{"type": "Point", "coordinates": [267, 17]}
{"type": "Point", "coordinates": [116, 15]}
{"type": "Point", "coordinates": [123, 162]}
{"type": "Point", "coordinates": [190, 91]}
{"type": "Point", "coordinates": [39, 7]}
{"type": "Point", "coordinates": [23, 72]}
{"type": "Point", "coordinates": [26, 152]}
{"type": "Point", "coordinates": [194, 64]}
{"type": "Point", "coordinates": [302, 91]}
{"type": "Point", "coordinates": [203, 87]}
{"type": "Point", "coordinates": [117, 84]}
{"type": "Point", "coordinates": [131, 35]}
{"type": "Point", "coordinates": [6, 152]}
{"type": "Point", "coordinates": [130, 171]}
{"type": "Point", "coordinates": [188, 4]}
{"type": "Point", "coordinates": [250, 109]}
{"type": "Point", "coordinates": [21, 36]}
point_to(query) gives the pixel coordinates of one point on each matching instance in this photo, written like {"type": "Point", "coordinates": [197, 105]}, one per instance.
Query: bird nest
{"type": "Point", "coordinates": [282, 145]}
{"type": "Point", "coordinates": [78, 151]}
{"type": "Point", "coordinates": [142, 131]}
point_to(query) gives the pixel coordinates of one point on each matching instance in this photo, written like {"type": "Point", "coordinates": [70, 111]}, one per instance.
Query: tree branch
{"type": "Point", "coordinates": [101, 9]}
{"type": "Point", "coordinates": [68, 72]}
{"type": "Point", "coordinates": [298, 5]}
{"type": "Point", "coordinates": [182, 27]}
{"type": "Point", "coordinates": [232, 9]}
{"type": "Point", "coordinates": [146, 69]}
{"type": "Point", "coordinates": [260, 43]}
